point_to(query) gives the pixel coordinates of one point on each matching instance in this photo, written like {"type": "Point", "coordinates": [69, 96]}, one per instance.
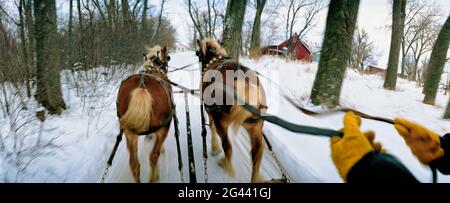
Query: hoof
{"type": "Point", "coordinates": [226, 165]}
{"type": "Point", "coordinates": [154, 177]}
{"type": "Point", "coordinates": [257, 179]}
{"type": "Point", "coordinates": [216, 151]}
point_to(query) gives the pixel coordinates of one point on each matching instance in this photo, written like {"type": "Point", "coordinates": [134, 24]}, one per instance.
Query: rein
{"type": "Point", "coordinates": [359, 113]}
{"type": "Point", "coordinates": [181, 68]}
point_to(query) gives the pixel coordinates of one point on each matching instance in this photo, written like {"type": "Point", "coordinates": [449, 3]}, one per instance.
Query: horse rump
{"type": "Point", "coordinates": [138, 115]}
{"type": "Point", "coordinates": [249, 93]}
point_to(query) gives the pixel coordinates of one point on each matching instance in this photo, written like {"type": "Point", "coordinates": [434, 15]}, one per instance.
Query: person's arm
{"type": "Point", "coordinates": [359, 159]}
{"type": "Point", "coordinates": [380, 168]}
{"type": "Point", "coordinates": [443, 163]}
{"type": "Point", "coordinates": [429, 148]}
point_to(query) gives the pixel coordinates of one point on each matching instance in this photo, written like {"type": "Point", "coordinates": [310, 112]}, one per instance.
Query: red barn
{"type": "Point", "coordinates": [297, 49]}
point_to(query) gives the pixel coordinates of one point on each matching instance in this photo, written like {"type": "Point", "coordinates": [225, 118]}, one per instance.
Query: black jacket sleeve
{"type": "Point", "coordinates": [381, 168]}
{"type": "Point", "coordinates": [443, 164]}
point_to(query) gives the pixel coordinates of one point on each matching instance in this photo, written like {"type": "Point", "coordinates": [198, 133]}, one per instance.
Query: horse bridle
{"type": "Point", "coordinates": [156, 60]}
{"type": "Point", "coordinates": [205, 59]}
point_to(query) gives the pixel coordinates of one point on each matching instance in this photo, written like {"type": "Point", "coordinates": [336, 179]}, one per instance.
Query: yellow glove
{"type": "Point", "coordinates": [353, 146]}
{"type": "Point", "coordinates": [424, 143]}
{"type": "Point", "coordinates": [370, 135]}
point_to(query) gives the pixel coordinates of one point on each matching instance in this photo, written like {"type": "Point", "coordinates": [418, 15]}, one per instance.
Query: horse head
{"type": "Point", "coordinates": [157, 57]}
{"type": "Point", "coordinates": [208, 49]}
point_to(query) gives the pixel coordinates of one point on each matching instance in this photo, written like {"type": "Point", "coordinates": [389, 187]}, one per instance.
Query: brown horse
{"type": "Point", "coordinates": [145, 106]}
{"type": "Point", "coordinates": [221, 116]}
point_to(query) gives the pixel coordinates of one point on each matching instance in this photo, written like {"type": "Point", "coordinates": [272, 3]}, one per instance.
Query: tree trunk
{"type": "Point", "coordinates": [436, 64]}
{"type": "Point", "coordinates": [48, 92]}
{"type": "Point", "coordinates": [82, 48]}
{"type": "Point", "coordinates": [403, 65]}
{"type": "Point", "coordinates": [31, 44]}
{"type": "Point", "coordinates": [80, 16]}
{"type": "Point", "coordinates": [336, 51]}
{"type": "Point", "coordinates": [126, 15]}
{"type": "Point", "coordinates": [70, 42]}
{"type": "Point", "coordinates": [398, 19]}
{"type": "Point", "coordinates": [144, 16]}
{"type": "Point", "coordinates": [256, 30]}
{"type": "Point", "coordinates": [24, 47]}
{"type": "Point", "coordinates": [447, 111]}
{"type": "Point", "coordinates": [234, 19]}
{"type": "Point", "coordinates": [158, 26]}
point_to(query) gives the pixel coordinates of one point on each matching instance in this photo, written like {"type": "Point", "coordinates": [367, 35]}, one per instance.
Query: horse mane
{"type": "Point", "coordinates": [219, 51]}
{"type": "Point", "coordinates": [153, 51]}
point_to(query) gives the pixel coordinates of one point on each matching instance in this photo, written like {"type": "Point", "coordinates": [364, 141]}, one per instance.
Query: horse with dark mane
{"type": "Point", "coordinates": [145, 106]}
{"type": "Point", "coordinates": [221, 112]}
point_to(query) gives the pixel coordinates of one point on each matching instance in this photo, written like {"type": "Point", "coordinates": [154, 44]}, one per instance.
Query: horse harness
{"type": "Point", "coordinates": [148, 73]}
{"type": "Point", "coordinates": [217, 70]}
{"type": "Point", "coordinates": [166, 86]}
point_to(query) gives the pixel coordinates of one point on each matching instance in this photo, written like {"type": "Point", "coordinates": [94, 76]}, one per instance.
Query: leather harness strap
{"type": "Point", "coordinates": [165, 85]}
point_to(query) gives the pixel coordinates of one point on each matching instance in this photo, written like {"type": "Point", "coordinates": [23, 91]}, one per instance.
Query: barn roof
{"type": "Point", "coordinates": [294, 38]}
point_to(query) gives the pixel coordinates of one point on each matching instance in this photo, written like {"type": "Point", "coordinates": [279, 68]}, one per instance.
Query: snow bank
{"type": "Point", "coordinates": [84, 134]}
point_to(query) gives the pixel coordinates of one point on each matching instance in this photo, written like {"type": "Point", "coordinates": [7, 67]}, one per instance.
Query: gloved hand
{"type": "Point", "coordinates": [424, 143]}
{"type": "Point", "coordinates": [353, 146]}
{"type": "Point", "coordinates": [370, 135]}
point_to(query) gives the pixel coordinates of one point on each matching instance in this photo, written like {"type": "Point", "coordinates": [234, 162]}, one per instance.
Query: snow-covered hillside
{"type": "Point", "coordinates": [85, 133]}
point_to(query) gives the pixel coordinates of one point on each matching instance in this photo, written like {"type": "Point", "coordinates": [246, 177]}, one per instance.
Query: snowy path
{"type": "Point", "coordinates": [168, 162]}
{"type": "Point", "coordinates": [305, 158]}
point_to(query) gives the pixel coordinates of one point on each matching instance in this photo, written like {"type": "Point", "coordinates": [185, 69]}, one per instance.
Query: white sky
{"type": "Point", "coordinates": [374, 16]}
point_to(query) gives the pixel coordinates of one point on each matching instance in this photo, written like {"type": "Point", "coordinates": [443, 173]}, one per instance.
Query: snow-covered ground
{"type": "Point", "coordinates": [85, 133]}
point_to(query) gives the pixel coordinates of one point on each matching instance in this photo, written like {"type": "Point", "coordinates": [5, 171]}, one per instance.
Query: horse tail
{"type": "Point", "coordinates": [139, 111]}
{"type": "Point", "coordinates": [251, 94]}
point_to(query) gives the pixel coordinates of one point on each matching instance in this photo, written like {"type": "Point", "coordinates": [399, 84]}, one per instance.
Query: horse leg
{"type": "Point", "coordinates": [255, 132]}
{"type": "Point", "coordinates": [215, 150]}
{"type": "Point", "coordinates": [222, 130]}
{"type": "Point", "coordinates": [161, 135]}
{"type": "Point", "coordinates": [132, 148]}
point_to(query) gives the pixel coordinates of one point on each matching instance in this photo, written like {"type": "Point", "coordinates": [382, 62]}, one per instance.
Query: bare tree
{"type": "Point", "coordinates": [437, 63]}
{"type": "Point", "coordinates": [304, 10]}
{"type": "Point", "coordinates": [419, 48]}
{"type": "Point", "coordinates": [447, 111]}
{"type": "Point", "coordinates": [336, 50]}
{"type": "Point", "coordinates": [20, 7]}
{"type": "Point", "coordinates": [206, 18]}
{"type": "Point", "coordinates": [48, 92]}
{"type": "Point", "coordinates": [159, 19]}
{"type": "Point", "coordinates": [232, 33]}
{"type": "Point", "coordinates": [126, 17]}
{"type": "Point", "coordinates": [398, 20]}
{"type": "Point", "coordinates": [363, 51]}
{"type": "Point", "coordinates": [270, 26]}
{"type": "Point", "coordinates": [256, 29]}
{"type": "Point", "coordinates": [420, 31]}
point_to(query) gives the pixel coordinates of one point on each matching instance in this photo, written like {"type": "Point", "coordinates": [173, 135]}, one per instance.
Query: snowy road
{"type": "Point", "coordinates": [168, 162]}
{"type": "Point", "coordinates": [305, 158]}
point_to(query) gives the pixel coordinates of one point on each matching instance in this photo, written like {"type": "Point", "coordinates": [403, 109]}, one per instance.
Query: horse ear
{"type": "Point", "coordinates": [199, 43]}
{"type": "Point", "coordinates": [165, 53]}
{"type": "Point", "coordinates": [145, 56]}
{"type": "Point", "coordinates": [220, 42]}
